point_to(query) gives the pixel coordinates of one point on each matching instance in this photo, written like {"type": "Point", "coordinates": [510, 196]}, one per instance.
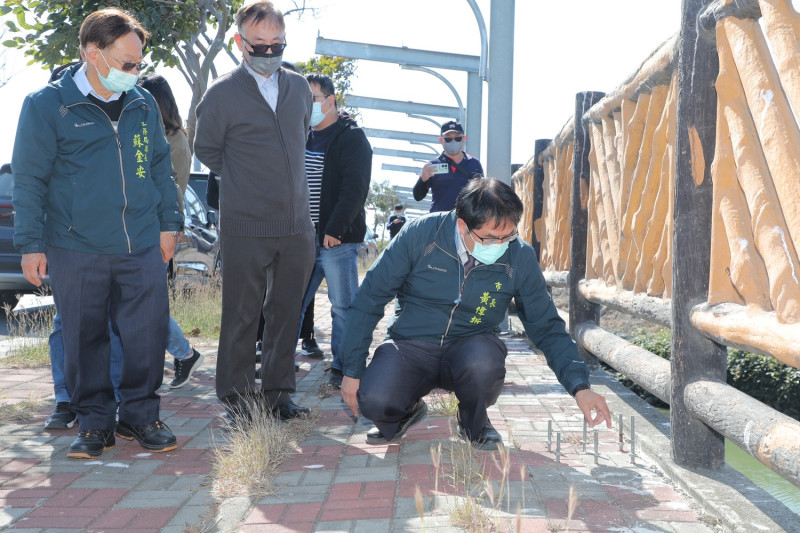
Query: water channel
{"type": "Point", "coordinates": [755, 471]}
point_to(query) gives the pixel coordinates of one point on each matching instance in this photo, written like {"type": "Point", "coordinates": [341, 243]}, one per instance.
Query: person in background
{"type": "Point", "coordinates": [97, 209]}
{"type": "Point", "coordinates": [338, 169]}
{"type": "Point", "coordinates": [455, 273]}
{"type": "Point", "coordinates": [252, 125]}
{"type": "Point", "coordinates": [396, 221]}
{"type": "Point", "coordinates": [461, 167]}
{"type": "Point", "coordinates": [186, 358]}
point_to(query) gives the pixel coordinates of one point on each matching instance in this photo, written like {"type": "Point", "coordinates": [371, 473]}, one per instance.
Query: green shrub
{"type": "Point", "coordinates": [765, 378]}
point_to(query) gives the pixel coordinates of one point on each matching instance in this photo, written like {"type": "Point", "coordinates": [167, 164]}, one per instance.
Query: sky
{"type": "Point", "coordinates": [560, 48]}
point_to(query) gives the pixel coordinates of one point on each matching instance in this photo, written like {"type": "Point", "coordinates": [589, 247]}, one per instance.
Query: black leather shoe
{"type": "Point", "coordinates": [487, 439]}
{"type": "Point", "coordinates": [155, 436]}
{"type": "Point", "coordinates": [289, 410]}
{"type": "Point", "coordinates": [374, 435]}
{"type": "Point", "coordinates": [184, 369]}
{"type": "Point", "coordinates": [62, 418]}
{"type": "Point", "coordinates": [91, 443]}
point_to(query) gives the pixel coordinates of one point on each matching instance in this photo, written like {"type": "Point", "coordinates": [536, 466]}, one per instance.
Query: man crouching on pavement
{"type": "Point", "coordinates": [454, 274]}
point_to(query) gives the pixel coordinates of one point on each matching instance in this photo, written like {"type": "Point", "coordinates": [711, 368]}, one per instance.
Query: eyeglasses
{"type": "Point", "coordinates": [127, 66]}
{"type": "Point", "coordinates": [452, 139]}
{"type": "Point", "coordinates": [495, 240]}
{"type": "Point", "coordinates": [263, 49]}
{"type": "Point", "coordinates": [320, 95]}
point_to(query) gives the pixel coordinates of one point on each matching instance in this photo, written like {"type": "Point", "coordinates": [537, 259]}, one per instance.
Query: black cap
{"type": "Point", "coordinates": [398, 207]}
{"type": "Point", "coordinates": [452, 125]}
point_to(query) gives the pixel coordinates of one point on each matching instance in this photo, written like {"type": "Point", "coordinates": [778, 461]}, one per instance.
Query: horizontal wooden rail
{"type": "Point", "coordinates": [769, 436]}
{"type": "Point", "coordinates": [652, 309]}
{"type": "Point", "coordinates": [750, 330]}
{"type": "Point", "coordinates": [557, 278]}
{"type": "Point", "coordinates": [645, 368]}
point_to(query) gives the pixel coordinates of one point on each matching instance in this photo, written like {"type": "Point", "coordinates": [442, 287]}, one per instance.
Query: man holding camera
{"type": "Point", "coordinates": [450, 172]}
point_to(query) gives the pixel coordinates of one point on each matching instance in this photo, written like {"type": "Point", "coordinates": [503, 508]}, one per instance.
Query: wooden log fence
{"type": "Point", "coordinates": [674, 198]}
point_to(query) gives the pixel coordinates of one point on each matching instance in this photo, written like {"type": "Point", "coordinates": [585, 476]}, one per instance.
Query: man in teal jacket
{"type": "Point", "coordinates": [454, 274]}
{"type": "Point", "coordinates": [96, 206]}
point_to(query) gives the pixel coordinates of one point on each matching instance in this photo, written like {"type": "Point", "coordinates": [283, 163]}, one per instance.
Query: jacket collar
{"type": "Point", "coordinates": [70, 94]}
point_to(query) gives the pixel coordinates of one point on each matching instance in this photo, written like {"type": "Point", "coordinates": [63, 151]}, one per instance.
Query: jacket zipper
{"type": "Point", "coordinates": [121, 165]}
{"type": "Point", "coordinates": [460, 292]}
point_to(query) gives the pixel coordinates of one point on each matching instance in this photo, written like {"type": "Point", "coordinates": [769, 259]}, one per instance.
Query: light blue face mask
{"type": "Point", "coordinates": [487, 253]}
{"type": "Point", "coordinates": [317, 115]}
{"type": "Point", "coordinates": [117, 81]}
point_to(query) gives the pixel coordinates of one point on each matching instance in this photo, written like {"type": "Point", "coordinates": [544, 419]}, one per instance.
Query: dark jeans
{"type": "Point", "coordinates": [131, 289]}
{"type": "Point", "coordinates": [403, 371]}
{"type": "Point", "coordinates": [278, 267]}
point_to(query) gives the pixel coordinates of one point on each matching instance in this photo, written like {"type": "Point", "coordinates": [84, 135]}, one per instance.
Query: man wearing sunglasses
{"type": "Point", "coordinates": [460, 168]}
{"type": "Point", "coordinates": [96, 208]}
{"type": "Point", "coordinates": [251, 131]}
{"type": "Point", "coordinates": [454, 274]}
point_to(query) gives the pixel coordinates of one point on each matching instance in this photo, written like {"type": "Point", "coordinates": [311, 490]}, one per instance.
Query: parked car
{"type": "Point", "coordinates": [11, 279]}
{"type": "Point", "coordinates": [197, 256]}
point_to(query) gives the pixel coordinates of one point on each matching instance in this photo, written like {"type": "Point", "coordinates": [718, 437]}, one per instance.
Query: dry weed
{"type": "Point", "coordinates": [246, 463]}
{"type": "Point", "coordinates": [22, 411]}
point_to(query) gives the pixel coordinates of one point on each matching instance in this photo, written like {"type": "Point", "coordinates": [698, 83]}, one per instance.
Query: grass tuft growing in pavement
{"type": "Point", "coordinates": [246, 463]}
{"type": "Point", "coordinates": [443, 403]}
{"type": "Point", "coordinates": [21, 411]}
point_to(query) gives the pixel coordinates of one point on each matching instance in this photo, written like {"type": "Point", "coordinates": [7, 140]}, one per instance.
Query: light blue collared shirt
{"type": "Point", "coordinates": [82, 82]}
{"type": "Point", "coordinates": [267, 86]}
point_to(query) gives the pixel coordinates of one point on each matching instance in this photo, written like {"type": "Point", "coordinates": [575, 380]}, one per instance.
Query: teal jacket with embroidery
{"type": "Point", "coordinates": [82, 185]}
{"type": "Point", "coordinates": [439, 305]}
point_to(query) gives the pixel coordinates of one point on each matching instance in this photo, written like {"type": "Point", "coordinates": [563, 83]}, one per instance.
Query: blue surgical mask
{"type": "Point", "coordinates": [317, 115]}
{"type": "Point", "coordinates": [117, 81]}
{"type": "Point", "coordinates": [488, 253]}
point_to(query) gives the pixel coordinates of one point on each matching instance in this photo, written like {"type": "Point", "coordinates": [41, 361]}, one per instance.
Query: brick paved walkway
{"type": "Point", "coordinates": [335, 481]}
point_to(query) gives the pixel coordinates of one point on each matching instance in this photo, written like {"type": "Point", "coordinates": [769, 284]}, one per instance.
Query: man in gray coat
{"type": "Point", "coordinates": [251, 130]}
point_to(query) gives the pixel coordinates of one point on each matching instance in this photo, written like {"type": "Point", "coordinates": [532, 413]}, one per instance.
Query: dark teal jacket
{"type": "Point", "coordinates": [439, 305]}
{"type": "Point", "coordinates": [81, 185]}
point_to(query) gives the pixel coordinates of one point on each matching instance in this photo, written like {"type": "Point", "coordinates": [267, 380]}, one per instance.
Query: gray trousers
{"type": "Point", "coordinates": [278, 267]}
{"type": "Point", "coordinates": [403, 371]}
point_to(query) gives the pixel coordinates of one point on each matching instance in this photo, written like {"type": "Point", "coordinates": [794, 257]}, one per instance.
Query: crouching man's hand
{"type": "Point", "coordinates": [350, 391]}
{"type": "Point", "coordinates": [589, 401]}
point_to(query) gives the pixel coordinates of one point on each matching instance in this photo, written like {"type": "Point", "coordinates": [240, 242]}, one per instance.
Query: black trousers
{"type": "Point", "coordinates": [131, 289]}
{"type": "Point", "coordinates": [403, 371]}
{"type": "Point", "coordinates": [278, 267]}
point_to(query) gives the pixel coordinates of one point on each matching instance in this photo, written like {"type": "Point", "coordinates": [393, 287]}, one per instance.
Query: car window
{"type": "Point", "coordinates": [6, 184]}
{"type": "Point", "coordinates": [193, 207]}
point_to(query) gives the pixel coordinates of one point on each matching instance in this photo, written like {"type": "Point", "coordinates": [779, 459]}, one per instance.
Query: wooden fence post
{"type": "Point", "coordinates": [538, 192]}
{"type": "Point", "coordinates": [580, 309]}
{"type": "Point", "coordinates": [693, 356]}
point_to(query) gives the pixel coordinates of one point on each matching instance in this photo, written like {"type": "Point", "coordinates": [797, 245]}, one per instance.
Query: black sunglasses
{"type": "Point", "coordinates": [456, 139]}
{"type": "Point", "coordinates": [263, 49]}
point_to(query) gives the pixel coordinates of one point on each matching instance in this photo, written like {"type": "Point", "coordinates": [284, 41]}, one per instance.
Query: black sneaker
{"type": "Point", "coordinates": [91, 443]}
{"type": "Point", "coordinates": [184, 369]}
{"type": "Point", "coordinates": [62, 418]}
{"type": "Point", "coordinates": [487, 439]}
{"type": "Point", "coordinates": [374, 435]}
{"type": "Point", "coordinates": [155, 436]}
{"type": "Point", "coordinates": [335, 380]}
{"type": "Point", "coordinates": [311, 349]}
